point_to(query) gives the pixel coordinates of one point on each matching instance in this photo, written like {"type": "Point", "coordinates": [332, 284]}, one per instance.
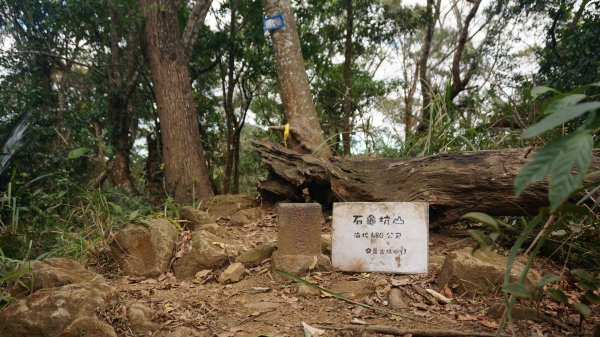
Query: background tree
{"type": "Point", "coordinates": [185, 169]}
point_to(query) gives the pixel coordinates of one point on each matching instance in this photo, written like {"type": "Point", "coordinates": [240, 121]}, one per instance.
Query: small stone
{"type": "Point", "coordinates": [354, 289]}
{"type": "Point", "coordinates": [308, 291]}
{"type": "Point", "coordinates": [245, 216]}
{"type": "Point", "coordinates": [257, 254]}
{"type": "Point", "coordinates": [233, 273]}
{"type": "Point", "coordinates": [225, 205]}
{"type": "Point", "coordinates": [145, 293]}
{"type": "Point", "coordinates": [208, 251]}
{"type": "Point", "coordinates": [396, 300]}
{"type": "Point", "coordinates": [195, 217]}
{"type": "Point", "coordinates": [139, 317]}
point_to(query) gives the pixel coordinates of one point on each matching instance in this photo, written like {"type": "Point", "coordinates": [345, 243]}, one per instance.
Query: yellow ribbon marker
{"type": "Point", "coordinates": [286, 133]}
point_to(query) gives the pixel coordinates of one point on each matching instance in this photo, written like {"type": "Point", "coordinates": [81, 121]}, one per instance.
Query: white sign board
{"type": "Point", "coordinates": [390, 237]}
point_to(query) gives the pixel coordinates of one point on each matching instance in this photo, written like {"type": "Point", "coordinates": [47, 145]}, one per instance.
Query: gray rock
{"type": "Point", "coordinates": [257, 254]}
{"type": "Point", "coordinates": [233, 273]}
{"type": "Point", "coordinates": [208, 251]}
{"type": "Point", "coordinates": [68, 310]}
{"type": "Point", "coordinates": [396, 299]}
{"type": "Point", "coordinates": [145, 250]}
{"type": "Point", "coordinates": [308, 291]}
{"type": "Point", "coordinates": [195, 217]}
{"type": "Point", "coordinates": [245, 216]}
{"type": "Point", "coordinates": [54, 272]}
{"type": "Point", "coordinates": [139, 318]}
{"type": "Point", "coordinates": [482, 273]}
{"type": "Point", "coordinates": [221, 206]}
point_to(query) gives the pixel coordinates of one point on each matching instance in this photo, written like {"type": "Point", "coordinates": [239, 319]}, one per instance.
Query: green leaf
{"type": "Point", "coordinates": [585, 285]}
{"type": "Point", "coordinates": [118, 209]}
{"type": "Point", "coordinates": [134, 215]}
{"type": "Point", "coordinates": [540, 166]}
{"type": "Point", "coordinates": [74, 154]}
{"type": "Point", "coordinates": [557, 118]}
{"type": "Point", "coordinates": [482, 218]}
{"type": "Point", "coordinates": [547, 279]}
{"type": "Point", "coordinates": [557, 295]}
{"type": "Point", "coordinates": [583, 274]}
{"type": "Point", "coordinates": [577, 153]}
{"type": "Point", "coordinates": [540, 90]}
{"type": "Point", "coordinates": [591, 297]}
{"type": "Point", "coordinates": [516, 289]}
{"type": "Point", "coordinates": [484, 240]}
{"type": "Point", "coordinates": [563, 101]}
{"type": "Point", "coordinates": [583, 309]}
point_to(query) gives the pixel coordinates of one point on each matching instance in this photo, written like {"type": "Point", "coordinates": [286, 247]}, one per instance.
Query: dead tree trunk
{"type": "Point", "coordinates": [452, 183]}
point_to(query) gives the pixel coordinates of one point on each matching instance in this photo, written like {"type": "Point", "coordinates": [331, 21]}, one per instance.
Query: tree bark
{"type": "Point", "coordinates": [423, 68]}
{"type": "Point", "coordinates": [185, 169]}
{"type": "Point", "coordinates": [347, 102]}
{"type": "Point", "coordinates": [299, 109]}
{"type": "Point", "coordinates": [194, 26]}
{"type": "Point", "coordinates": [459, 84]}
{"type": "Point", "coordinates": [452, 183]}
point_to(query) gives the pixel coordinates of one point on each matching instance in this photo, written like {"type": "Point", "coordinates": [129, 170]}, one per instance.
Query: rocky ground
{"type": "Point", "coordinates": [214, 278]}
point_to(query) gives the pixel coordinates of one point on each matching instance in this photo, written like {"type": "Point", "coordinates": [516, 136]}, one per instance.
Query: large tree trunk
{"type": "Point", "coordinates": [185, 168]}
{"type": "Point", "coordinates": [306, 135]}
{"type": "Point", "coordinates": [453, 184]}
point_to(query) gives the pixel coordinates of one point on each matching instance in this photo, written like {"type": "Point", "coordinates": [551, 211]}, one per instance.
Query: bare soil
{"type": "Point", "coordinates": [261, 305]}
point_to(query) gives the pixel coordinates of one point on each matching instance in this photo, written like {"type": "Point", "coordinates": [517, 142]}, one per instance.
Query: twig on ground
{"type": "Point", "coordinates": [390, 330]}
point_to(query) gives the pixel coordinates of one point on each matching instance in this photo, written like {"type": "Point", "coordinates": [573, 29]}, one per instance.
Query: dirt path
{"type": "Point", "coordinates": [259, 306]}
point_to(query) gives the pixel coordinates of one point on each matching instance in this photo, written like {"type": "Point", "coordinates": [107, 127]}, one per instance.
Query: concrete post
{"type": "Point", "coordinates": [299, 238]}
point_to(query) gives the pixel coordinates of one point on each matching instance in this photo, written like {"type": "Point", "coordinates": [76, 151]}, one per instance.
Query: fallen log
{"type": "Point", "coordinates": [452, 183]}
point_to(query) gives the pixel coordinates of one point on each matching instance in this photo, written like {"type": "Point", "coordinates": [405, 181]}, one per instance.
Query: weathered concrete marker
{"type": "Point", "coordinates": [387, 237]}
{"type": "Point", "coordinates": [299, 238]}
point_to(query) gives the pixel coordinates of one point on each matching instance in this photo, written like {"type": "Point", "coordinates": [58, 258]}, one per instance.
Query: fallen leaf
{"type": "Point", "coordinates": [489, 324]}
{"type": "Point", "coordinates": [220, 244]}
{"type": "Point", "coordinates": [441, 298]}
{"type": "Point", "coordinates": [168, 307]}
{"type": "Point", "coordinates": [309, 331]}
{"type": "Point", "coordinates": [202, 273]}
{"type": "Point", "coordinates": [447, 291]}
{"type": "Point", "coordinates": [358, 321]}
{"type": "Point", "coordinates": [466, 317]}
{"type": "Point", "coordinates": [421, 306]}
